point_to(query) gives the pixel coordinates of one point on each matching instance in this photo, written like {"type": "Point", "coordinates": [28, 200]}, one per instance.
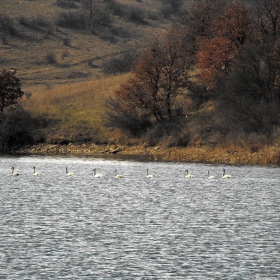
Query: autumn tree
{"type": "Point", "coordinates": [217, 53]}
{"type": "Point", "coordinates": [196, 22]}
{"type": "Point", "coordinates": [10, 90]}
{"type": "Point", "coordinates": [238, 55]}
{"type": "Point", "coordinates": [157, 80]}
{"type": "Point", "coordinates": [253, 87]}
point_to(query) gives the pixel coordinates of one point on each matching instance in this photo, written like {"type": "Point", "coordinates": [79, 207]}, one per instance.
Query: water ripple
{"type": "Point", "coordinates": [167, 227]}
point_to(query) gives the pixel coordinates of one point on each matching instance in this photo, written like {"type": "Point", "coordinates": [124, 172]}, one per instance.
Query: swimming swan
{"type": "Point", "coordinates": [117, 175]}
{"type": "Point", "coordinates": [188, 175]}
{"type": "Point", "coordinates": [14, 173]}
{"type": "Point", "coordinates": [69, 173]}
{"type": "Point", "coordinates": [97, 175]}
{"type": "Point", "coordinates": [149, 175]}
{"type": "Point", "coordinates": [226, 175]}
{"type": "Point", "coordinates": [211, 177]}
{"type": "Point", "coordinates": [36, 173]}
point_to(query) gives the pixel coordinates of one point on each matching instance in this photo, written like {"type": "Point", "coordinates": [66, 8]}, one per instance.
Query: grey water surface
{"type": "Point", "coordinates": [55, 226]}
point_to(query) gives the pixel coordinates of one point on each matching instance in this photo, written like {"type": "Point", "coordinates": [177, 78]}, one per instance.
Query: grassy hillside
{"type": "Point", "coordinates": [76, 110]}
{"type": "Point", "coordinates": [46, 54]}
{"type": "Point", "coordinates": [61, 68]}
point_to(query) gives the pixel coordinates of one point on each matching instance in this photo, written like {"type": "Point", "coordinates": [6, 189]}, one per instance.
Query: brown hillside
{"type": "Point", "coordinates": [78, 54]}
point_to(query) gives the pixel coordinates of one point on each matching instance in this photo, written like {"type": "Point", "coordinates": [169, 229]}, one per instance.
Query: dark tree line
{"type": "Point", "coordinates": [16, 124]}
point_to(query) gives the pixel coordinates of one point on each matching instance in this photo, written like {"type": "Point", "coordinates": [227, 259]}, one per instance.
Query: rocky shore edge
{"type": "Point", "coordinates": [267, 155]}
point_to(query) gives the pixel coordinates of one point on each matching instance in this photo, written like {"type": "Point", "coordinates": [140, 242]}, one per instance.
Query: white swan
{"type": "Point", "coordinates": [149, 175]}
{"type": "Point", "coordinates": [97, 175]}
{"type": "Point", "coordinates": [226, 175]}
{"type": "Point", "coordinates": [36, 173]}
{"type": "Point", "coordinates": [14, 173]}
{"type": "Point", "coordinates": [188, 175]}
{"type": "Point", "coordinates": [69, 173]}
{"type": "Point", "coordinates": [211, 177]}
{"type": "Point", "coordinates": [117, 175]}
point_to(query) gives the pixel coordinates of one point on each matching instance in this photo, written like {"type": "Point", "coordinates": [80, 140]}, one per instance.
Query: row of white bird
{"type": "Point", "coordinates": [116, 175]}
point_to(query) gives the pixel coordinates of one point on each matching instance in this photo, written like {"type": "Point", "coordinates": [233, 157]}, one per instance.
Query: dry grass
{"type": "Point", "coordinates": [79, 60]}
{"type": "Point", "coordinates": [266, 155]}
{"type": "Point", "coordinates": [72, 89]}
{"type": "Point", "coordinates": [77, 108]}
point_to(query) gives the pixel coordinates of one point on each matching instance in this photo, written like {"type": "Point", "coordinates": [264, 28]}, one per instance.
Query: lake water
{"type": "Point", "coordinates": [55, 226]}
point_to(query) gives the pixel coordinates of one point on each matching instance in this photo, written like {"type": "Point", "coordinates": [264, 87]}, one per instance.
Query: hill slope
{"type": "Point", "coordinates": [46, 54]}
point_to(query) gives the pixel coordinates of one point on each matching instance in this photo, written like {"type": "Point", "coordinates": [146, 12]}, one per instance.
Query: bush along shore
{"type": "Point", "coordinates": [266, 155]}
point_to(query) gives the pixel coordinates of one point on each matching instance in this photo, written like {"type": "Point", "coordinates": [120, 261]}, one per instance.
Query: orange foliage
{"type": "Point", "coordinates": [131, 94]}
{"type": "Point", "coordinates": [216, 55]}
{"type": "Point", "coordinates": [234, 24]}
{"type": "Point", "coordinates": [214, 59]}
{"type": "Point", "coordinates": [157, 79]}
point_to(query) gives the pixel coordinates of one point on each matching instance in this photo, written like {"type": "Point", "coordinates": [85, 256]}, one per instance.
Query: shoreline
{"type": "Point", "coordinates": [266, 155]}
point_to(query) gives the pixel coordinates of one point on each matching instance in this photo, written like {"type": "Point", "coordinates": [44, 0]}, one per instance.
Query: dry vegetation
{"type": "Point", "coordinates": [76, 109]}
{"type": "Point", "coordinates": [61, 68]}
{"type": "Point", "coordinates": [61, 72]}
{"type": "Point", "coordinates": [78, 54]}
